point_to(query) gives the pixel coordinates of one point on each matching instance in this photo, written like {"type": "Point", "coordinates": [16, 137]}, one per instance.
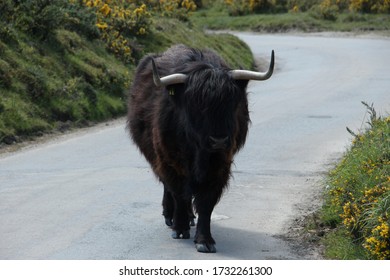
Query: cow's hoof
{"type": "Point", "coordinates": [168, 222]}
{"type": "Point", "coordinates": [192, 222]}
{"type": "Point", "coordinates": [181, 234]}
{"type": "Point", "coordinates": [205, 248]}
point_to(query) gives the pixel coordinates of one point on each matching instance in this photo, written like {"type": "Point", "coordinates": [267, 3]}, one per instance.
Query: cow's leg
{"type": "Point", "coordinates": [168, 207]}
{"type": "Point", "coordinates": [204, 241]}
{"type": "Point", "coordinates": [181, 219]}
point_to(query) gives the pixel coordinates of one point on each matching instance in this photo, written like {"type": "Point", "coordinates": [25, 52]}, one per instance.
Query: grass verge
{"type": "Point", "coordinates": [219, 19]}
{"type": "Point", "coordinates": [71, 80]}
{"type": "Point", "coordinates": [357, 199]}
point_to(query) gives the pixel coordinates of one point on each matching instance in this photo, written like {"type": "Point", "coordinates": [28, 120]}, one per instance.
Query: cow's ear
{"type": "Point", "coordinates": [242, 84]}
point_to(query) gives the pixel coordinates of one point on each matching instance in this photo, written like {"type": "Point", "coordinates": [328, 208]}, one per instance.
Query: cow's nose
{"type": "Point", "coordinates": [219, 143]}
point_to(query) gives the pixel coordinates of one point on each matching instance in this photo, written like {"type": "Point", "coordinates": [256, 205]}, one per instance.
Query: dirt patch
{"type": "Point", "coordinates": [305, 231]}
{"type": "Point", "coordinates": [304, 239]}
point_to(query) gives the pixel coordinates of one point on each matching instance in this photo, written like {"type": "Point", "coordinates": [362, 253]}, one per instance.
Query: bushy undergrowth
{"type": "Point", "coordinates": [323, 9]}
{"type": "Point", "coordinates": [358, 194]}
{"type": "Point", "coordinates": [287, 15]}
{"type": "Point", "coordinates": [70, 62]}
{"type": "Point", "coordinates": [120, 22]}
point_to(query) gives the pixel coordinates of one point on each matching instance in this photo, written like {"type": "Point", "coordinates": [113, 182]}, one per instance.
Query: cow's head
{"type": "Point", "coordinates": [210, 101]}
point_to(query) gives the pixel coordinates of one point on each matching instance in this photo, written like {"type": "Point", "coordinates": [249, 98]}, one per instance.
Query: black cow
{"type": "Point", "coordinates": [188, 125]}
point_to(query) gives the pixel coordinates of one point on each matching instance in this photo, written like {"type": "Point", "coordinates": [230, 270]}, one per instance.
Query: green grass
{"type": "Point", "coordinates": [357, 200]}
{"type": "Point", "coordinates": [69, 78]}
{"type": "Point", "coordinates": [168, 32]}
{"type": "Point", "coordinates": [339, 246]}
{"type": "Point", "coordinates": [45, 83]}
{"type": "Point", "coordinates": [219, 19]}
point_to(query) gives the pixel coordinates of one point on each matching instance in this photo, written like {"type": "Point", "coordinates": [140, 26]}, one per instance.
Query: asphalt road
{"type": "Point", "coordinates": [90, 195]}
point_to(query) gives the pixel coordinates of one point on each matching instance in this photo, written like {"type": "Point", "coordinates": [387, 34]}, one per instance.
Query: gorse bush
{"type": "Point", "coordinates": [40, 18]}
{"type": "Point", "coordinates": [179, 9]}
{"type": "Point", "coordinates": [66, 63]}
{"type": "Point", "coordinates": [119, 21]}
{"type": "Point", "coordinates": [325, 9]}
{"type": "Point", "coordinates": [359, 193]}
{"type": "Point", "coordinates": [54, 67]}
{"type": "Point", "coordinates": [244, 7]}
{"type": "Point", "coordinates": [370, 6]}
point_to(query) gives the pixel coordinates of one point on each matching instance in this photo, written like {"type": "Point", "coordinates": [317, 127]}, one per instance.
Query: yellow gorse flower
{"type": "Point", "coordinates": [120, 20]}
{"type": "Point", "coordinates": [378, 244]}
{"type": "Point", "coordinates": [116, 20]}
{"type": "Point", "coordinates": [102, 25]}
{"type": "Point", "coordinates": [105, 10]}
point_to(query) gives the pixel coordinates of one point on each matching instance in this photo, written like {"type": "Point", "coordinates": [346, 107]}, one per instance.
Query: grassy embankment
{"type": "Point", "coordinates": [65, 64]}
{"type": "Point", "coordinates": [356, 211]}
{"type": "Point", "coordinates": [286, 16]}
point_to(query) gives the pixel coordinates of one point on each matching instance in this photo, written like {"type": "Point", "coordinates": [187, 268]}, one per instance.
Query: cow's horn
{"type": "Point", "coordinates": [167, 80]}
{"type": "Point", "coordinates": [252, 75]}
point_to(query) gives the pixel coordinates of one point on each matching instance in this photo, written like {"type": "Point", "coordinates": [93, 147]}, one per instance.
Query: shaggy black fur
{"type": "Point", "coordinates": [189, 133]}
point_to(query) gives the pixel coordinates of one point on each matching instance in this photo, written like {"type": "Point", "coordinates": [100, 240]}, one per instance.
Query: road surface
{"type": "Point", "coordinates": [90, 195]}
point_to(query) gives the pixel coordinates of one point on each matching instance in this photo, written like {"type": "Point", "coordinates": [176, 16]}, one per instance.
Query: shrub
{"type": "Point", "coordinates": [121, 22]}
{"type": "Point", "coordinates": [6, 10]}
{"type": "Point", "coordinates": [118, 21]}
{"type": "Point", "coordinates": [324, 9]}
{"type": "Point", "coordinates": [36, 83]}
{"type": "Point", "coordinates": [370, 6]}
{"type": "Point", "coordinates": [40, 18]}
{"type": "Point", "coordinates": [244, 7]}
{"type": "Point", "coordinates": [327, 10]}
{"type": "Point", "coordinates": [377, 238]}
{"type": "Point", "coordinates": [179, 9]}
{"type": "Point", "coordinates": [5, 75]}
{"type": "Point", "coordinates": [360, 188]}
{"type": "Point", "coordinates": [301, 5]}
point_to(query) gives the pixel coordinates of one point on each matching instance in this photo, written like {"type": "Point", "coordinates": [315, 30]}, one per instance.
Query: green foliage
{"type": "Point", "coordinates": [303, 15]}
{"type": "Point", "coordinates": [118, 21]}
{"type": "Point", "coordinates": [53, 70]}
{"type": "Point", "coordinates": [40, 18]}
{"type": "Point", "coordinates": [301, 5]}
{"type": "Point", "coordinates": [341, 247]}
{"type": "Point", "coordinates": [71, 61]}
{"type": "Point", "coordinates": [168, 32]}
{"type": "Point", "coordinates": [5, 74]}
{"type": "Point", "coordinates": [327, 8]}
{"type": "Point", "coordinates": [64, 79]}
{"type": "Point", "coordinates": [179, 9]}
{"type": "Point", "coordinates": [245, 7]}
{"type": "Point", "coordinates": [370, 6]}
{"type": "Point", "coordinates": [337, 11]}
{"type": "Point", "coordinates": [358, 197]}
{"type": "Point", "coordinates": [121, 22]}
